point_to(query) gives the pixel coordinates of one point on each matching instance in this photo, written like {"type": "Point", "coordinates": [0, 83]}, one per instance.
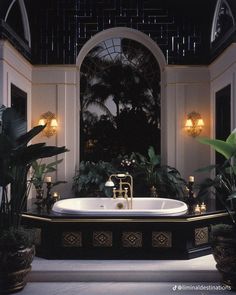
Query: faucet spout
{"type": "Point", "coordinates": [125, 189]}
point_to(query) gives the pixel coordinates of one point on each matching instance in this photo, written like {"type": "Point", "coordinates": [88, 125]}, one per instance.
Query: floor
{"type": "Point", "coordinates": [126, 277]}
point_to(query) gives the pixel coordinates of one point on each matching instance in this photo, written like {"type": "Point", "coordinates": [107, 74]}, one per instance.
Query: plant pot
{"type": "Point", "coordinates": [14, 267]}
{"type": "Point", "coordinates": [224, 252]}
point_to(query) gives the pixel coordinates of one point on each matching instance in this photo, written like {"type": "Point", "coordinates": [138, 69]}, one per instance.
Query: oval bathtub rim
{"type": "Point", "coordinates": [182, 210]}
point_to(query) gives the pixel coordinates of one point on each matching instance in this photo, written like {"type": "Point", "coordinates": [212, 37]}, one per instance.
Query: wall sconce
{"type": "Point", "coordinates": [194, 124]}
{"type": "Point", "coordinates": [50, 120]}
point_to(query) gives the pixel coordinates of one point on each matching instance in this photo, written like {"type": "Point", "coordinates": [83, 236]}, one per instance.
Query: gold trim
{"type": "Point", "coordinates": [102, 238]}
{"type": "Point", "coordinates": [201, 235]}
{"type": "Point", "coordinates": [132, 239]}
{"type": "Point", "coordinates": [138, 220]}
{"type": "Point", "coordinates": [71, 239]}
{"type": "Point", "coordinates": [161, 239]}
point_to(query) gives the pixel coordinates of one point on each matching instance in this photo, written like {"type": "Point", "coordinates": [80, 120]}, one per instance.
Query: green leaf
{"type": "Point", "coordinates": [5, 145]}
{"type": "Point", "coordinates": [34, 152]}
{"type": "Point", "coordinates": [58, 182]}
{"type": "Point", "coordinates": [151, 152]}
{"type": "Point", "coordinates": [232, 138]}
{"type": "Point", "coordinates": [224, 148]}
{"type": "Point", "coordinates": [54, 163]}
{"type": "Point", "coordinates": [231, 197]}
{"type": "Point", "coordinates": [206, 169]}
{"type": "Point", "coordinates": [25, 138]}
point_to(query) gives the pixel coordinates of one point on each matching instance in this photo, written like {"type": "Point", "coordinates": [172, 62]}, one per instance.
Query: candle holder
{"type": "Point", "coordinates": [39, 198]}
{"type": "Point", "coordinates": [48, 200]}
{"type": "Point", "coordinates": [190, 200]}
{"type": "Point", "coordinates": [197, 209]}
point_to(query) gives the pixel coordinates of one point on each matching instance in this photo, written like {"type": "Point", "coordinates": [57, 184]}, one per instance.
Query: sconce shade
{"type": "Point", "coordinates": [194, 124]}
{"type": "Point", "coordinates": [54, 123]}
{"type": "Point", "coordinates": [48, 119]}
{"type": "Point", "coordinates": [200, 123]}
{"type": "Point", "coordinates": [189, 123]}
{"type": "Point", "coordinates": [42, 122]}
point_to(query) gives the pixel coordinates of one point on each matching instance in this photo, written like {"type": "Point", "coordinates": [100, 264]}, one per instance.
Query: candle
{"type": "Point", "coordinates": [191, 179]}
{"type": "Point", "coordinates": [48, 179]}
{"type": "Point", "coordinates": [197, 209]}
{"type": "Point", "coordinates": [55, 196]}
{"type": "Point", "coordinates": [203, 208]}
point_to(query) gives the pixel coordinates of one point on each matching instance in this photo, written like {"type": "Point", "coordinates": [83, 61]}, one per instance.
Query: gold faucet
{"type": "Point", "coordinates": [125, 189]}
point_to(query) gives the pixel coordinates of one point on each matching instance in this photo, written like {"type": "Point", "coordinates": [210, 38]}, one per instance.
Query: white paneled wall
{"type": "Point", "coordinates": [54, 90]}
{"type": "Point", "coordinates": [14, 69]}
{"type": "Point", "coordinates": [223, 73]}
{"type": "Point", "coordinates": [184, 89]}
{"type": "Point", "coordinates": [187, 89]}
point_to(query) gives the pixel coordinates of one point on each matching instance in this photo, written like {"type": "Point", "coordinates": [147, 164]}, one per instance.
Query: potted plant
{"type": "Point", "coordinates": [224, 183]}
{"type": "Point", "coordinates": [161, 180]}
{"type": "Point", "coordinates": [39, 172]}
{"type": "Point", "coordinates": [16, 157]}
{"type": "Point", "coordinates": [90, 179]}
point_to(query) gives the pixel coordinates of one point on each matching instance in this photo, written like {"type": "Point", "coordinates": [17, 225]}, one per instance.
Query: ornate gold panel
{"type": "Point", "coordinates": [102, 239]}
{"type": "Point", "coordinates": [201, 235]}
{"type": "Point", "coordinates": [162, 239]}
{"type": "Point", "coordinates": [72, 239]}
{"type": "Point", "coordinates": [132, 239]}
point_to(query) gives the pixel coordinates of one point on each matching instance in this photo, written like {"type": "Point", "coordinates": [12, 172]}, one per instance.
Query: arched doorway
{"type": "Point", "coordinates": [99, 44]}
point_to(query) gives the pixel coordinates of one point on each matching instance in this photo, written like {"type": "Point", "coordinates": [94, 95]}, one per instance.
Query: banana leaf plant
{"type": "Point", "coordinates": [16, 157]}
{"type": "Point", "coordinates": [224, 181]}
{"type": "Point", "coordinates": [166, 179]}
{"type": "Point", "coordinates": [40, 170]}
{"type": "Point", "coordinates": [91, 177]}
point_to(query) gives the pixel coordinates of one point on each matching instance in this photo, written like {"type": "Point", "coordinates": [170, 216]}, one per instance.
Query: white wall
{"type": "Point", "coordinates": [223, 73]}
{"type": "Point", "coordinates": [187, 89]}
{"type": "Point", "coordinates": [54, 89]}
{"type": "Point", "coordinates": [14, 69]}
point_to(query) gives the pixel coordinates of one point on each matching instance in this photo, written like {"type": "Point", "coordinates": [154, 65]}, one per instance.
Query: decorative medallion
{"type": "Point", "coordinates": [102, 239]}
{"type": "Point", "coordinates": [72, 239]}
{"type": "Point", "coordinates": [162, 239]}
{"type": "Point", "coordinates": [132, 239]}
{"type": "Point", "coordinates": [201, 235]}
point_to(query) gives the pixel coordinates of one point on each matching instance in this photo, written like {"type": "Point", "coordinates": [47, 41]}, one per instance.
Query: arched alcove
{"type": "Point", "coordinates": [119, 33]}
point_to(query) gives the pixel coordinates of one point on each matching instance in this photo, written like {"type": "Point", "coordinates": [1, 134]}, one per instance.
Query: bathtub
{"type": "Point", "coordinates": [118, 207]}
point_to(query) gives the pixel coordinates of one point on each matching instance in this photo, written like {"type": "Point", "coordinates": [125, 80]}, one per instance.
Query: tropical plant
{"type": "Point", "coordinates": [16, 158]}
{"type": "Point", "coordinates": [147, 165]}
{"type": "Point", "coordinates": [40, 170]}
{"type": "Point", "coordinates": [224, 182]}
{"type": "Point", "coordinates": [91, 177]}
{"type": "Point", "coordinates": [166, 179]}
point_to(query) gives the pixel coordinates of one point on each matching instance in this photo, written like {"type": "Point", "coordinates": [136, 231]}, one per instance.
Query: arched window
{"type": "Point", "coordinates": [16, 16]}
{"type": "Point", "coordinates": [223, 20]}
{"type": "Point", "coordinates": [119, 100]}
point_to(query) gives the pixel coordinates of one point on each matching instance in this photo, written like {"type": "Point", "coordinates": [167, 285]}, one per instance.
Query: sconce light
{"type": "Point", "coordinates": [194, 124]}
{"type": "Point", "coordinates": [51, 121]}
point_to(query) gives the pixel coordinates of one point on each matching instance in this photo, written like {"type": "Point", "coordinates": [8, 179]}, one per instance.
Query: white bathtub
{"type": "Point", "coordinates": [110, 207]}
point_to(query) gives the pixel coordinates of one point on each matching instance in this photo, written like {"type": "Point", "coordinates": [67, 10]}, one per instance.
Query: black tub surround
{"type": "Point", "coordinates": [122, 237]}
